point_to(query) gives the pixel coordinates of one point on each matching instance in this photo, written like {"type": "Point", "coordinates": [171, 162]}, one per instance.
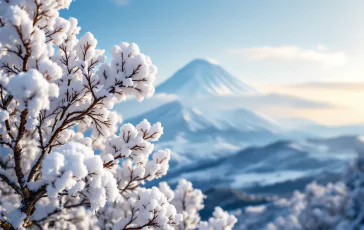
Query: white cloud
{"type": "Point", "coordinates": [352, 86]}
{"type": "Point", "coordinates": [260, 101]}
{"type": "Point", "coordinates": [288, 53]}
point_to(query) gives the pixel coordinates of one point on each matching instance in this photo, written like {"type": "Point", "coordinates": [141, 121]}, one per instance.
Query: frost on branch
{"type": "Point", "coordinates": [134, 142]}
{"type": "Point", "coordinates": [130, 72]}
{"type": "Point", "coordinates": [56, 100]}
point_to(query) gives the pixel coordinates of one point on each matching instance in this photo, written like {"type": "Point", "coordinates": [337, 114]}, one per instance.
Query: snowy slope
{"type": "Point", "coordinates": [280, 163]}
{"type": "Point", "coordinates": [194, 135]}
{"type": "Point", "coordinates": [178, 119]}
{"type": "Point", "coordinates": [132, 108]}
{"type": "Point", "coordinates": [201, 78]}
{"type": "Point", "coordinates": [244, 120]}
{"type": "Point", "coordinates": [273, 170]}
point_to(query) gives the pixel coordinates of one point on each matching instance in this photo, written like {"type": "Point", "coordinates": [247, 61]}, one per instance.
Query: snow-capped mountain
{"type": "Point", "coordinates": [201, 78]}
{"type": "Point", "coordinates": [178, 118]}
{"type": "Point", "coordinates": [195, 135]}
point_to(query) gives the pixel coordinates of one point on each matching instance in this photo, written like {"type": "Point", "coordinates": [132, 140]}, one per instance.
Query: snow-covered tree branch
{"type": "Point", "coordinates": [55, 88]}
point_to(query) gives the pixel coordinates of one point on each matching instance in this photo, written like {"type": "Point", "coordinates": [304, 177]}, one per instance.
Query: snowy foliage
{"type": "Point", "coordinates": [56, 100]}
{"type": "Point", "coordinates": [336, 206]}
{"type": "Point", "coordinates": [220, 220]}
{"type": "Point", "coordinates": [320, 207]}
{"type": "Point", "coordinates": [182, 210]}
{"type": "Point", "coordinates": [189, 202]}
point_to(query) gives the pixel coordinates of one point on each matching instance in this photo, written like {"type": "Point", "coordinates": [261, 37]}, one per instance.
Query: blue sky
{"type": "Point", "coordinates": [174, 32]}
{"type": "Point", "coordinates": [267, 44]}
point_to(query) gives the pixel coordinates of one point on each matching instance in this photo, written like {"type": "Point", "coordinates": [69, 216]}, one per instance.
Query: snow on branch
{"type": "Point", "coordinates": [56, 100]}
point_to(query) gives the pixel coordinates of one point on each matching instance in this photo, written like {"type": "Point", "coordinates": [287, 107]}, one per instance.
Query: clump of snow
{"type": "Point", "coordinates": [32, 91]}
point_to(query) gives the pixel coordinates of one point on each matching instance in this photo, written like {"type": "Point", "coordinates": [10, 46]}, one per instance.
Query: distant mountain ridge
{"type": "Point", "coordinates": [280, 162]}
{"type": "Point", "coordinates": [176, 119]}
{"type": "Point", "coordinates": [184, 123]}
{"type": "Point", "coordinates": [201, 78]}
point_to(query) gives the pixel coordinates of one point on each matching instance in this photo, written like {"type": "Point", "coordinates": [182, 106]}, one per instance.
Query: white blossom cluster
{"type": "Point", "coordinates": [56, 89]}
